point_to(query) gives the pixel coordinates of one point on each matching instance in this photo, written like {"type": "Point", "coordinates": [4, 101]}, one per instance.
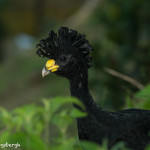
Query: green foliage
{"type": "Point", "coordinates": [46, 125]}
{"type": "Point", "coordinates": [32, 124]}
{"type": "Point", "coordinates": [144, 97]}
{"type": "Point", "coordinates": [129, 102]}
{"type": "Point", "coordinates": [140, 99]}
{"type": "Point", "coordinates": [144, 93]}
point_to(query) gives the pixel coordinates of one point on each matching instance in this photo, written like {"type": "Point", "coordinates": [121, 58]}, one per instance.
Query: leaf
{"type": "Point", "coordinates": [147, 147]}
{"type": "Point", "coordinates": [128, 102]}
{"type": "Point", "coordinates": [27, 117]}
{"type": "Point", "coordinates": [6, 118]}
{"type": "Point", "coordinates": [77, 113]}
{"type": "Point", "coordinates": [47, 104]}
{"type": "Point", "coordinates": [57, 102]}
{"type": "Point", "coordinates": [118, 146]}
{"type": "Point", "coordinates": [66, 145]}
{"type": "Point", "coordinates": [62, 120]}
{"type": "Point", "coordinates": [4, 136]}
{"type": "Point", "coordinates": [90, 146]}
{"type": "Point", "coordinates": [144, 93]}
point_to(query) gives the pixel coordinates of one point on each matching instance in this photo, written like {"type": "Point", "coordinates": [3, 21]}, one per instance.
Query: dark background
{"type": "Point", "coordinates": [118, 30]}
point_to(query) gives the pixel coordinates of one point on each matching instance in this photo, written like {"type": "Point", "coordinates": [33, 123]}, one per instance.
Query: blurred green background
{"type": "Point", "coordinates": [118, 30]}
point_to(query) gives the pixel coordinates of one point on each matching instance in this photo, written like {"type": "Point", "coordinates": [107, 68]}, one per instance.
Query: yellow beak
{"type": "Point", "coordinates": [49, 67]}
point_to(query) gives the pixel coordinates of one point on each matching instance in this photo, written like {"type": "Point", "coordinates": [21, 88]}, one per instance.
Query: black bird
{"type": "Point", "coordinates": [69, 56]}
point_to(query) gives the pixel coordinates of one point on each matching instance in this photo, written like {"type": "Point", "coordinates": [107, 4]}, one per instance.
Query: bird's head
{"type": "Point", "coordinates": [68, 52]}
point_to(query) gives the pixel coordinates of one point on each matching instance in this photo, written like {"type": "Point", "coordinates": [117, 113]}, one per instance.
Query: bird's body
{"type": "Point", "coordinates": [135, 136]}
{"type": "Point", "coordinates": [72, 59]}
{"type": "Point", "coordinates": [130, 126]}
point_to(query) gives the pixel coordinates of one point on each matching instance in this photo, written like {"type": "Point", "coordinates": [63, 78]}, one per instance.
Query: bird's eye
{"type": "Point", "coordinates": [62, 58]}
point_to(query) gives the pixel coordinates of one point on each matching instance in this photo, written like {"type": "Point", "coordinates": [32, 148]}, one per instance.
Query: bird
{"type": "Point", "coordinates": [69, 55]}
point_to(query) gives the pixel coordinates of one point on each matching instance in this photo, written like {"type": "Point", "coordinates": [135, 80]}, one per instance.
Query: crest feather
{"type": "Point", "coordinates": [66, 39]}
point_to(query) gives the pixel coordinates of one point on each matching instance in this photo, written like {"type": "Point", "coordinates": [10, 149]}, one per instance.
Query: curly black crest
{"type": "Point", "coordinates": [67, 40]}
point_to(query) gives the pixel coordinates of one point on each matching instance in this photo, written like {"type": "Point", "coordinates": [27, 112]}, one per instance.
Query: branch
{"type": "Point", "coordinates": [82, 14]}
{"type": "Point", "coordinates": [124, 77]}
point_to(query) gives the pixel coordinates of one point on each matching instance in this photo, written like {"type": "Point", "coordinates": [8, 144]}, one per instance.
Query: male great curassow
{"type": "Point", "coordinates": [68, 53]}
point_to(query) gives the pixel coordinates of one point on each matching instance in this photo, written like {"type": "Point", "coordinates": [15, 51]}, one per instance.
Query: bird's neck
{"type": "Point", "coordinates": [79, 88]}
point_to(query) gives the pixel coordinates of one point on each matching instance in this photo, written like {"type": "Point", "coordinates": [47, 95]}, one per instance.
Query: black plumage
{"type": "Point", "coordinates": [71, 52]}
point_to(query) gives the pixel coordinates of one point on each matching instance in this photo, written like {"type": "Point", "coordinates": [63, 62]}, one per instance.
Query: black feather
{"type": "Point", "coordinates": [66, 39]}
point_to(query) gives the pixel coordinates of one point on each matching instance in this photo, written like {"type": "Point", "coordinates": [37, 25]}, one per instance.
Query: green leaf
{"type": "Point", "coordinates": [119, 145]}
{"type": "Point", "coordinates": [90, 146]}
{"type": "Point", "coordinates": [147, 147]}
{"type": "Point", "coordinates": [27, 117]}
{"type": "Point", "coordinates": [144, 93]}
{"type": "Point", "coordinates": [66, 145]}
{"type": "Point", "coordinates": [6, 118]}
{"type": "Point", "coordinates": [77, 113]}
{"type": "Point", "coordinates": [128, 102]}
{"type": "Point", "coordinates": [62, 120]}
{"type": "Point", "coordinates": [57, 102]}
{"type": "Point", "coordinates": [4, 136]}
